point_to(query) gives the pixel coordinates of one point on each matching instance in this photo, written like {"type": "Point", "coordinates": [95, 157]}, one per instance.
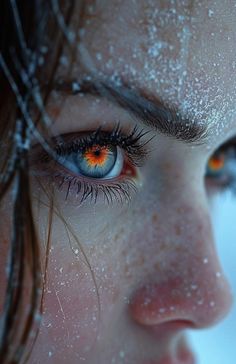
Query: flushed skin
{"type": "Point", "coordinates": [154, 260]}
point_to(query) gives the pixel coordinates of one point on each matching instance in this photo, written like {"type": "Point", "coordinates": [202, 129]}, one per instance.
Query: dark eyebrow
{"type": "Point", "coordinates": [150, 110]}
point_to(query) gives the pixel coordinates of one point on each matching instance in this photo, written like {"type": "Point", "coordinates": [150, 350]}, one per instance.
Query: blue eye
{"type": "Point", "coordinates": [99, 165]}
{"type": "Point", "coordinates": [96, 161]}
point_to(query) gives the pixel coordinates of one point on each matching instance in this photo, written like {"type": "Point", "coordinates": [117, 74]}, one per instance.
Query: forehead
{"type": "Point", "coordinates": [183, 52]}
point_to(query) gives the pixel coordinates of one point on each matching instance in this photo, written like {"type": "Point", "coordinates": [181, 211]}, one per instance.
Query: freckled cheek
{"type": "Point", "coordinates": [71, 306]}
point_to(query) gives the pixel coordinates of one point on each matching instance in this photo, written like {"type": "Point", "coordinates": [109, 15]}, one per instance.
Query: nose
{"type": "Point", "coordinates": [190, 289]}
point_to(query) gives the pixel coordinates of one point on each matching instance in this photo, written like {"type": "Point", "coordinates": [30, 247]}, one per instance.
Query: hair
{"type": "Point", "coordinates": [26, 31]}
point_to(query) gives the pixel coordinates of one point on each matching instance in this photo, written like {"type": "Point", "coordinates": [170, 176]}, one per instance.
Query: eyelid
{"type": "Point", "coordinates": [132, 142]}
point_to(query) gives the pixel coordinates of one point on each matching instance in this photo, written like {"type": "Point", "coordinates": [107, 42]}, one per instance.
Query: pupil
{"type": "Point", "coordinates": [97, 153]}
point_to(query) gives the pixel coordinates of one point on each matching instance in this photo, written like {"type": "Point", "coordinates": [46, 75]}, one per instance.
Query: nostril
{"type": "Point", "coordinates": [180, 324]}
{"type": "Point", "coordinates": [173, 326]}
{"type": "Point", "coordinates": [169, 328]}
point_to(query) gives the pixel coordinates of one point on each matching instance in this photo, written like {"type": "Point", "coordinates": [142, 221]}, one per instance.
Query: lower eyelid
{"type": "Point", "coordinates": [78, 190]}
{"type": "Point", "coordinates": [74, 188]}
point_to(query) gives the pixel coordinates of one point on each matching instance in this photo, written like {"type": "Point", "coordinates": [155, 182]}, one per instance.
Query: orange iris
{"type": "Point", "coordinates": [216, 163]}
{"type": "Point", "coordinates": [97, 156]}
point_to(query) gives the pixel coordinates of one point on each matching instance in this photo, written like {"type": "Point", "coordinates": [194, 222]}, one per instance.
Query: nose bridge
{"type": "Point", "coordinates": [191, 287]}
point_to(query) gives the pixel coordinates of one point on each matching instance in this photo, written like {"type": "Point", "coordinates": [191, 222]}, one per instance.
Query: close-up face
{"type": "Point", "coordinates": [143, 125]}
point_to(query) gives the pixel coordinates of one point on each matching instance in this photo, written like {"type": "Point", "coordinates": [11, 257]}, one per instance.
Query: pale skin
{"type": "Point", "coordinates": [154, 260]}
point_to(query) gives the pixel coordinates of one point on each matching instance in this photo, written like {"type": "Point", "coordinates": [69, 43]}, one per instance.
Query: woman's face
{"type": "Point", "coordinates": [147, 269]}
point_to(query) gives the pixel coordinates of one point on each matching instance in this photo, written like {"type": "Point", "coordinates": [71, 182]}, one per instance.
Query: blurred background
{"type": "Point", "coordinates": [218, 345]}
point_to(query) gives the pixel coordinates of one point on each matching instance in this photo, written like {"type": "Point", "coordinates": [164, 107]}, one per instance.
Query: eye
{"type": "Point", "coordinates": [94, 164]}
{"type": "Point", "coordinates": [221, 168]}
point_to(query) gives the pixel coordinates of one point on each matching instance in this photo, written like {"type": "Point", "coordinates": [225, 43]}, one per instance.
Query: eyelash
{"type": "Point", "coordinates": [135, 151]}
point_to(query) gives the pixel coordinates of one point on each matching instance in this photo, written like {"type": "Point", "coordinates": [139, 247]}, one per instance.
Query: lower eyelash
{"type": "Point", "coordinates": [120, 191]}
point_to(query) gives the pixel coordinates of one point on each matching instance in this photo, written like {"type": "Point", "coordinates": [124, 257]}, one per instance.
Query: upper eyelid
{"type": "Point", "coordinates": [66, 140]}
{"type": "Point", "coordinates": [132, 142]}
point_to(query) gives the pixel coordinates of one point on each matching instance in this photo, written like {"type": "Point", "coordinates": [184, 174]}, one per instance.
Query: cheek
{"type": "Point", "coordinates": [72, 307]}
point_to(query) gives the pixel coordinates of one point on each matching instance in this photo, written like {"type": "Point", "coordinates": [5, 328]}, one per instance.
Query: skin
{"type": "Point", "coordinates": [154, 260]}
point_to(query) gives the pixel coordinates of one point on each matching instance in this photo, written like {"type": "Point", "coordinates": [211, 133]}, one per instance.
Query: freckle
{"type": "Point", "coordinates": [154, 218]}
{"type": "Point", "coordinates": [116, 237]}
{"type": "Point", "coordinates": [127, 272]}
{"type": "Point", "coordinates": [119, 234]}
{"type": "Point", "coordinates": [144, 47]}
{"type": "Point", "coordinates": [168, 166]}
{"type": "Point", "coordinates": [177, 230]}
{"type": "Point", "coordinates": [124, 253]}
{"type": "Point", "coordinates": [162, 246]}
{"type": "Point", "coordinates": [140, 260]}
{"type": "Point", "coordinates": [157, 267]}
{"type": "Point", "coordinates": [55, 111]}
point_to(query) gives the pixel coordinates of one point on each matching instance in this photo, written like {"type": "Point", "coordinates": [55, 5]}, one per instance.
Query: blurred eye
{"type": "Point", "coordinates": [221, 168]}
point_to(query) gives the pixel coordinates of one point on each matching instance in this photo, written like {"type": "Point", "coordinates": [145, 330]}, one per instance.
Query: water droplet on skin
{"type": "Point", "coordinates": [99, 56]}
{"type": "Point", "coordinates": [210, 13]}
{"type": "Point", "coordinates": [122, 354]}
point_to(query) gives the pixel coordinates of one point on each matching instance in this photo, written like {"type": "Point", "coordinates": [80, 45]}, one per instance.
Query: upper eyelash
{"type": "Point", "coordinates": [133, 145]}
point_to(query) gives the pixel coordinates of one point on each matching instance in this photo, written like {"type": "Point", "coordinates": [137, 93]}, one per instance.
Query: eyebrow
{"type": "Point", "coordinates": [147, 108]}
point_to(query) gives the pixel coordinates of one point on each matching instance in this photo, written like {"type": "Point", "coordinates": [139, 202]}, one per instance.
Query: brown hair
{"type": "Point", "coordinates": [26, 28]}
